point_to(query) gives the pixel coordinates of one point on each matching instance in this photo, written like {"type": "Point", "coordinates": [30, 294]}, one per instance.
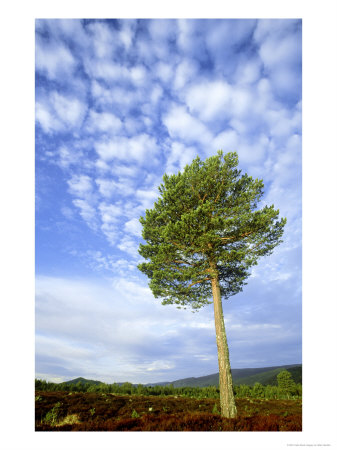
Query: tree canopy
{"type": "Point", "coordinates": [206, 222]}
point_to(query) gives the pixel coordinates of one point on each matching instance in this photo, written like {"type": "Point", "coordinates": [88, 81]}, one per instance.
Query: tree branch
{"type": "Point", "coordinates": [177, 245]}
{"type": "Point", "coordinates": [199, 281]}
{"type": "Point", "coordinates": [183, 262]}
{"type": "Point", "coordinates": [218, 194]}
{"type": "Point", "coordinates": [240, 236]}
{"type": "Point", "coordinates": [197, 193]}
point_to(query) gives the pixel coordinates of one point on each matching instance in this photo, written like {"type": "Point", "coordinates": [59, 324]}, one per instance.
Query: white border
{"type": "Point", "coordinates": [17, 224]}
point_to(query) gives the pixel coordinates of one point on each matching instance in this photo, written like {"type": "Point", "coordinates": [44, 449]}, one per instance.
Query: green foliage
{"type": "Point", "coordinates": [134, 414]}
{"type": "Point", "coordinates": [268, 376]}
{"type": "Point", "coordinates": [215, 409]}
{"type": "Point", "coordinates": [240, 391]}
{"type": "Point", "coordinates": [206, 224]}
{"type": "Point", "coordinates": [92, 411]}
{"type": "Point", "coordinates": [127, 388]}
{"type": "Point", "coordinates": [286, 383]}
{"type": "Point", "coordinates": [53, 415]}
{"type": "Point", "coordinates": [258, 390]}
{"type": "Point", "coordinates": [271, 392]}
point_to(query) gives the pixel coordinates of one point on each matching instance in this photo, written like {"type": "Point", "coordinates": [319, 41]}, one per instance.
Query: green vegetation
{"type": "Point", "coordinates": [118, 412]}
{"type": "Point", "coordinates": [286, 384]}
{"type": "Point", "coordinates": [52, 416]}
{"type": "Point", "coordinates": [287, 389]}
{"type": "Point", "coordinates": [263, 375]}
{"type": "Point", "coordinates": [215, 409]}
{"type": "Point", "coordinates": [134, 414]}
{"type": "Point", "coordinates": [268, 376]}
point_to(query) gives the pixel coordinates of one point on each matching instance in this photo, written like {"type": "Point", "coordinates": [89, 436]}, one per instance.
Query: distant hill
{"type": "Point", "coordinates": [263, 375]}
{"type": "Point", "coordinates": [269, 376]}
{"type": "Point", "coordinates": [83, 380]}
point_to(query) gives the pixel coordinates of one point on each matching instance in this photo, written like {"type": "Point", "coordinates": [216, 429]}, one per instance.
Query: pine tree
{"type": "Point", "coordinates": [258, 390]}
{"type": "Point", "coordinates": [202, 236]}
{"type": "Point", "coordinates": [286, 384]}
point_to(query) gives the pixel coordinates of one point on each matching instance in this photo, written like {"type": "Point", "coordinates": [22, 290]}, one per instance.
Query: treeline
{"type": "Point", "coordinates": [285, 389]}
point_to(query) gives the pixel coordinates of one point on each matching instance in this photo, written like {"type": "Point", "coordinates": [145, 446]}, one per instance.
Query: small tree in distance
{"type": "Point", "coordinates": [202, 236]}
{"type": "Point", "coordinates": [285, 383]}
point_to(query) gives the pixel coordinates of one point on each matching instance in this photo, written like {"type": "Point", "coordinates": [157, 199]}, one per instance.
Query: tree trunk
{"type": "Point", "coordinates": [227, 402]}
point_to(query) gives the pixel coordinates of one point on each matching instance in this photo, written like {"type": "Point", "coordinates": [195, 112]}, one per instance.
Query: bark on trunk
{"type": "Point", "coordinates": [227, 402]}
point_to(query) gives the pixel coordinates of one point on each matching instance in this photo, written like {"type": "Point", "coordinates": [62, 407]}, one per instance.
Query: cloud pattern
{"type": "Point", "coordinates": [118, 104]}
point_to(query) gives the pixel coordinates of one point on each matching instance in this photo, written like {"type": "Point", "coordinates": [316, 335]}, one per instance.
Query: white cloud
{"type": "Point", "coordinates": [54, 60]}
{"type": "Point", "coordinates": [134, 227]}
{"type": "Point", "coordinates": [164, 71]}
{"type": "Point", "coordinates": [103, 122]}
{"type": "Point", "coordinates": [127, 170]}
{"type": "Point", "coordinates": [110, 213]}
{"type": "Point", "coordinates": [135, 125]}
{"type": "Point", "coordinates": [105, 70]}
{"type": "Point", "coordinates": [127, 32]}
{"type": "Point", "coordinates": [182, 125]}
{"type": "Point", "coordinates": [266, 28]}
{"type": "Point", "coordinates": [101, 94]}
{"type": "Point", "coordinates": [147, 197]}
{"type": "Point", "coordinates": [226, 140]}
{"type": "Point", "coordinates": [284, 122]}
{"type": "Point", "coordinates": [227, 35]}
{"type": "Point", "coordinates": [118, 266]}
{"type": "Point", "coordinates": [106, 187]}
{"type": "Point", "coordinates": [87, 212]}
{"type": "Point", "coordinates": [248, 72]}
{"type": "Point", "coordinates": [110, 231]}
{"type": "Point", "coordinates": [59, 112]}
{"type": "Point", "coordinates": [210, 100]}
{"type": "Point", "coordinates": [138, 75]}
{"type": "Point", "coordinates": [251, 152]}
{"type": "Point", "coordinates": [69, 110]}
{"type": "Point", "coordinates": [250, 149]}
{"type": "Point", "coordinates": [280, 51]}
{"type": "Point", "coordinates": [276, 52]}
{"type": "Point", "coordinates": [184, 73]}
{"type": "Point", "coordinates": [137, 148]}
{"type": "Point", "coordinates": [179, 156]}
{"type": "Point", "coordinates": [102, 39]}
{"type": "Point", "coordinates": [188, 39]}
{"type": "Point", "coordinates": [287, 165]}
{"type": "Point", "coordinates": [159, 365]}
{"type": "Point", "coordinates": [242, 103]}
{"type": "Point", "coordinates": [117, 98]}
{"type": "Point", "coordinates": [69, 157]}
{"type": "Point", "coordinates": [60, 29]}
{"type": "Point", "coordinates": [128, 245]}
{"type": "Point", "coordinates": [162, 29]}
{"type": "Point", "coordinates": [156, 94]}
{"type": "Point", "coordinates": [45, 118]}
{"type": "Point", "coordinates": [80, 185]}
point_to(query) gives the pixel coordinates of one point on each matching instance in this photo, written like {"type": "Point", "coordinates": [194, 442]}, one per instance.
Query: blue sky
{"type": "Point", "coordinates": [118, 104]}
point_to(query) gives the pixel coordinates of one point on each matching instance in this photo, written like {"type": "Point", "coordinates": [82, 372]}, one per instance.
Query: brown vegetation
{"type": "Point", "coordinates": [62, 411]}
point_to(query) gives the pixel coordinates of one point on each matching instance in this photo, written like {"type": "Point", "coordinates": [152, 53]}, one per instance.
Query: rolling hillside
{"type": "Point", "coordinates": [263, 375]}
{"type": "Point", "coordinates": [82, 380]}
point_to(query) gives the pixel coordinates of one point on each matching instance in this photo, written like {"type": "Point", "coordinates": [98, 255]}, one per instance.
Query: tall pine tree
{"type": "Point", "coordinates": [202, 236]}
